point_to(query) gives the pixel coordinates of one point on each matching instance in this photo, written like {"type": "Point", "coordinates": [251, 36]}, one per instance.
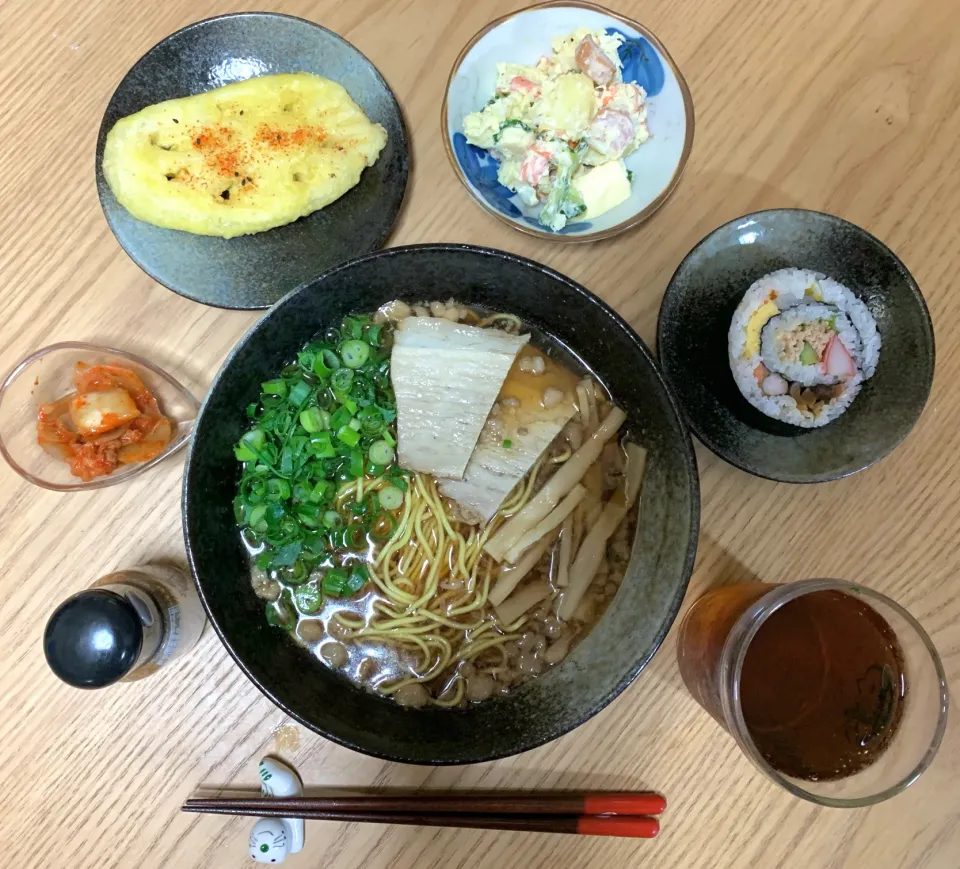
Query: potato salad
{"type": "Point", "coordinates": [560, 129]}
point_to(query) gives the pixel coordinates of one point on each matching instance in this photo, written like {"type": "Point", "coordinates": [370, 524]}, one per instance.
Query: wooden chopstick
{"type": "Point", "coordinates": [506, 803]}
{"type": "Point", "coordinates": [624, 826]}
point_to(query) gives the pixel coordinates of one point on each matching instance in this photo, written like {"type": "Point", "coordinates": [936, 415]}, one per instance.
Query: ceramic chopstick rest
{"type": "Point", "coordinates": [271, 839]}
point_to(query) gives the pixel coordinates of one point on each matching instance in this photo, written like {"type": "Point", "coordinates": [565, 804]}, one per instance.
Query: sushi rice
{"type": "Point", "coordinates": [801, 345]}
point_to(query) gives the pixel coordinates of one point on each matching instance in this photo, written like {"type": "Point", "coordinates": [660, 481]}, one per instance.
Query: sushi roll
{"type": "Point", "coordinates": [801, 345]}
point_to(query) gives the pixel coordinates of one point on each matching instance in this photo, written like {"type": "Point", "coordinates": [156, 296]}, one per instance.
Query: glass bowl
{"type": "Point", "coordinates": [45, 376]}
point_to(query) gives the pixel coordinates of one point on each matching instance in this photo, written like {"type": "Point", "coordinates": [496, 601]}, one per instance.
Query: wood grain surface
{"type": "Point", "coordinates": [851, 108]}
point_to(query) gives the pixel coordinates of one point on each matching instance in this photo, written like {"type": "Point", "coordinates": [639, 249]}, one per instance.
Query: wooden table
{"type": "Point", "coordinates": [852, 108]}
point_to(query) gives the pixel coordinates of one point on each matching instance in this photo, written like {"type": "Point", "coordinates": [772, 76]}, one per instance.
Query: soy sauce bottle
{"type": "Point", "coordinates": [126, 626]}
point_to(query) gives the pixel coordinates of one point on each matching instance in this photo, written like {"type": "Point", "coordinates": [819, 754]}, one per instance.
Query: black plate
{"type": "Point", "coordinates": [695, 317]}
{"type": "Point", "coordinates": [253, 271]}
{"type": "Point", "coordinates": [602, 665]}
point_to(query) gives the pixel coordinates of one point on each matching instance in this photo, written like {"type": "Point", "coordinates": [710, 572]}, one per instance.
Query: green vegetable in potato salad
{"type": "Point", "coordinates": [513, 122]}
{"type": "Point", "coordinates": [564, 199]}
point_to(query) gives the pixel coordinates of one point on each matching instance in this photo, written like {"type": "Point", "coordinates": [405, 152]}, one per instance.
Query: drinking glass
{"type": "Point", "coordinates": [712, 646]}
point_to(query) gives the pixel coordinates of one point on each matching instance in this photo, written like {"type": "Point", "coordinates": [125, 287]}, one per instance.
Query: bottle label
{"type": "Point", "coordinates": [171, 614]}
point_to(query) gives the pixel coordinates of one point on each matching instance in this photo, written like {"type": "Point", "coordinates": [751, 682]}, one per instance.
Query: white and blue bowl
{"type": "Point", "coordinates": [522, 37]}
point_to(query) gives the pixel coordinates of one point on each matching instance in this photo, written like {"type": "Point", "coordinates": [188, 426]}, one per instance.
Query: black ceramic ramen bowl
{"type": "Point", "coordinates": [607, 660]}
{"type": "Point", "coordinates": [695, 318]}
{"type": "Point", "coordinates": [253, 271]}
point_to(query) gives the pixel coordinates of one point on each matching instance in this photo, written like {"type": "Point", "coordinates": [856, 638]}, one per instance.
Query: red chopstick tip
{"type": "Point", "coordinates": [624, 826]}
{"type": "Point", "coordinates": [624, 804]}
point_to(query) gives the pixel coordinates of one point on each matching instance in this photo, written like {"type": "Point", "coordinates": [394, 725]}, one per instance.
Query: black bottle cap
{"type": "Point", "coordinates": [93, 639]}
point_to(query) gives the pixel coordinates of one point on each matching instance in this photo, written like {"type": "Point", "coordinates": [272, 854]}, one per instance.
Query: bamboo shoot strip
{"type": "Point", "coordinates": [553, 519]}
{"type": "Point", "coordinates": [510, 577]}
{"type": "Point", "coordinates": [636, 467]}
{"type": "Point", "coordinates": [556, 487]}
{"type": "Point", "coordinates": [591, 390]}
{"type": "Point", "coordinates": [583, 403]}
{"type": "Point", "coordinates": [588, 559]}
{"type": "Point", "coordinates": [566, 549]}
{"type": "Point", "coordinates": [521, 601]}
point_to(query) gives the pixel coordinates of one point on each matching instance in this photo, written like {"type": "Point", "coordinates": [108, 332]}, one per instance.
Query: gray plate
{"type": "Point", "coordinates": [607, 660]}
{"type": "Point", "coordinates": [695, 317]}
{"type": "Point", "coordinates": [254, 271]}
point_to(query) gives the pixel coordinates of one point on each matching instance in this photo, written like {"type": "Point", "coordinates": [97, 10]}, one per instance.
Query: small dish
{"type": "Point", "coordinates": [695, 318]}
{"type": "Point", "coordinates": [253, 271]}
{"type": "Point", "coordinates": [521, 37]}
{"type": "Point", "coordinates": [45, 376]}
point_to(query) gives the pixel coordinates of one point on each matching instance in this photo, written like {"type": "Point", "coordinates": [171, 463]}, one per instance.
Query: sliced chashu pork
{"type": "Point", "coordinates": [523, 428]}
{"type": "Point", "coordinates": [446, 377]}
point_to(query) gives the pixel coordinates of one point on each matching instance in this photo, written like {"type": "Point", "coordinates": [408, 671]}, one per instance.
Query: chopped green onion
{"type": "Point", "coordinates": [315, 543]}
{"type": "Point", "coordinates": [381, 453]}
{"type": "Point", "coordinates": [352, 326]}
{"type": "Point", "coordinates": [243, 454]}
{"type": "Point", "coordinates": [320, 368]}
{"type": "Point", "coordinates": [507, 444]}
{"type": "Point", "coordinates": [327, 419]}
{"type": "Point", "coordinates": [355, 537]}
{"type": "Point", "coordinates": [296, 574]}
{"type": "Point", "coordinates": [390, 497]}
{"type": "Point", "coordinates": [308, 598]}
{"type": "Point", "coordinates": [321, 446]}
{"type": "Point", "coordinates": [320, 491]}
{"type": "Point", "coordinates": [274, 387]}
{"type": "Point", "coordinates": [255, 516]}
{"type": "Point", "coordinates": [334, 582]}
{"type": "Point", "coordinates": [355, 353]}
{"type": "Point", "coordinates": [312, 419]}
{"type": "Point", "coordinates": [339, 418]}
{"type": "Point", "coordinates": [341, 379]}
{"type": "Point", "coordinates": [287, 555]}
{"type": "Point", "coordinates": [348, 436]}
{"type": "Point", "coordinates": [383, 528]}
{"type": "Point", "coordinates": [299, 394]}
{"type": "Point", "coordinates": [397, 479]}
{"type": "Point", "coordinates": [281, 614]}
{"type": "Point", "coordinates": [309, 514]}
{"type": "Point", "coordinates": [254, 439]}
{"type": "Point", "coordinates": [357, 579]}
{"type": "Point", "coordinates": [286, 461]}
{"type": "Point", "coordinates": [277, 489]}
